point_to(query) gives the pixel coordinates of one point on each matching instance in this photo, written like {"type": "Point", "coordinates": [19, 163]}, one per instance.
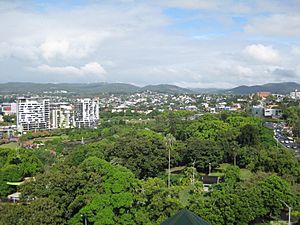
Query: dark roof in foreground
{"type": "Point", "coordinates": [185, 217]}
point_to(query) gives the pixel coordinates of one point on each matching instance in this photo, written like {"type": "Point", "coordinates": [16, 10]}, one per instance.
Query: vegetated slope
{"type": "Point", "coordinates": [167, 88]}
{"type": "Point", "coordinates": [279, 88]}
{"type": "Point", "coordinates": [80, 88]}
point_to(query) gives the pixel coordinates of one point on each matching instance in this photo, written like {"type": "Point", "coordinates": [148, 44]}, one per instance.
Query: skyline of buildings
{"type": "Point", "coordinates": [37, 113]}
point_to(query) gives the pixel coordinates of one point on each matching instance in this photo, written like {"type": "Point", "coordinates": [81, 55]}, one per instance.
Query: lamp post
{"type": "Point", "coordinates": [193, 175]}
{"type": "Point", "coordinates": [290, 209]}
{"type": "Point", "coordinates": [85, 220]}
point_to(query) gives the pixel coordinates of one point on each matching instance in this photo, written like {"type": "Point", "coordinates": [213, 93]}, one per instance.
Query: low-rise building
{"type": "Point", "coordinates": [263, 94]}
{"type": "Point", "coordinates": [272, 112]}
{"type": "Point", "coordinates": [257, 110]}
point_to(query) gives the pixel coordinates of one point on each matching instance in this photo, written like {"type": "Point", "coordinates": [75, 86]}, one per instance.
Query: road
{"type": "Point", "coordinates": [287, 142]}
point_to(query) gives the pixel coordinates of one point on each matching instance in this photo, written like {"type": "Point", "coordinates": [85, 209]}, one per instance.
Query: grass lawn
{"type": "Point", "coordinates": [185, 194]}
{"type": "Point", "coordinates": [43, 139]}
{"type": "Point", "coordinates": [12, 145]}
{"type": "Point", "coordinates": [245, 173]}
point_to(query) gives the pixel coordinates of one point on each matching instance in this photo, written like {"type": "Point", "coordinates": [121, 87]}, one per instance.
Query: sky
{"type": "Point", "coordinates": [189, 43]}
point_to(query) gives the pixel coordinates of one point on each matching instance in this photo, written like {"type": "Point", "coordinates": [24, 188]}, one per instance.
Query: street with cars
{"type": "Point", "coordinates": [283, 136]}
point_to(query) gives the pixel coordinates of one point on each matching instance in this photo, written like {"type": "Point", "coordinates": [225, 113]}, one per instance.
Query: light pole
{"type": "Point", "coordinates": [193, 176]}
{"type": "Point", "coordinates": [85, 220]}
{"type": "Point", "coordinates": [290, 209]}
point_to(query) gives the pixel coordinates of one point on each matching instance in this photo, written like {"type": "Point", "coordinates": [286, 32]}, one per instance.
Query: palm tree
{"type": "Point", "coordinates": [169, 141]}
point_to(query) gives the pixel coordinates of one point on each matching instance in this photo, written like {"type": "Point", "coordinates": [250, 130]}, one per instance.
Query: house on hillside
{"type": "Point", "coordinates": [208, 181]}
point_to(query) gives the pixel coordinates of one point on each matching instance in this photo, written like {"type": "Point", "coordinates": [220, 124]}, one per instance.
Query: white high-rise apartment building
{"type": "Point", "coordinates": [33, 113]}
{"type": "Point", "coordinates": [295, 94]}
{"type": "Point", "coordinates": [86, 112]}
{"type": "Point", "coordinates": [61, 115]}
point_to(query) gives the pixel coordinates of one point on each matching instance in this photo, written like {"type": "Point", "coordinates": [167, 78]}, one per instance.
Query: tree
{"type": "Point", "coordinates": [115, 203]}
{"type": "Point", "coordinates": [248, 136]}
{"type": "Point", "coordinates": [9, 173]}
{"type": "Point", "coordinates": [159, 201]}
{"type": "Point", "coordinates": [145, 154]}
{"type": "Point", "coordinates": [43, 211]}
{"type": "Point", "coordinates": [273, 190]}
{"type": "Point", "coordinates": [205, 152]}
{"type": "Point", "coordinates": [169, 141]}
{"type": "Point", "coordinates": [234, 151]}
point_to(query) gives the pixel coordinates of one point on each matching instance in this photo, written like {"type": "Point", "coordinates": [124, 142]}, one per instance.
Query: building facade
{"type": "Point", "coordinates": [86, 112]}
{"type": "Point", "coordinates": [33, 113]}
{"type": "Point", "coordinates": [62, 116]}
{"type": "Point", "coordinates": [295, 94]}
{"type": "Point", "coordinates": [8, 108]}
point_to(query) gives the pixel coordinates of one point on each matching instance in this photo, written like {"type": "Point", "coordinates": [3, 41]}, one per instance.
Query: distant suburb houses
{"type": "Point", "coordinates": [36, 113]}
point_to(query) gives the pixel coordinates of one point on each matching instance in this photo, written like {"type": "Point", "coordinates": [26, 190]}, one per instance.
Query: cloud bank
{"type": "Point", "coordinates": [192, 43]}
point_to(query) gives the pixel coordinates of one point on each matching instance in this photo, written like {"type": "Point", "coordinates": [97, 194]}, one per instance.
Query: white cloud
{"type": "Point", "coordinates": [282, 25]}
{"type": "Point", "coordinates": [92, 68]}
{"type": "Point", "coordinates": [19, 51]}
{"type": "Point", "coordinates": [192, 4]}
{"type": "Point", "coordinates": [4, 50]}
{"type": "Point", "coordinates": [244, 71]}
{"type": "Point", "coordinates": [145, 42]}
{"type": "Point", "coordinates": [50, 49]}
{"type": "Point", "coordinates": [296, 50]}
{"type": "Point", "coordinates": [72, 46]}
{"type": "Point", "coordinates": [262, 53]}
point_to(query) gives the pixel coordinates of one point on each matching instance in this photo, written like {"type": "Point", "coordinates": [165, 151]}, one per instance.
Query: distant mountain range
{"type": "Point", "coordinates": [98, 88]}
{"type": "Point", "coordinates": [167, 88]}
{"type": "Point", "coordinates": [278, 88]}
{"type": "Point", "coordinates": [93, 88]}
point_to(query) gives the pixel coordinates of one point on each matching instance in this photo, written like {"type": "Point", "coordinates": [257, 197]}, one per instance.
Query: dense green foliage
{"type": "Point", "coordinates": [118, 175]}
{"type": "Point", "coordinates": [14, 165]}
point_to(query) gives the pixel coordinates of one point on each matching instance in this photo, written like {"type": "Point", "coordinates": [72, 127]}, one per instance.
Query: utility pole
{"type": "Point", "coordinates": [209, 168]}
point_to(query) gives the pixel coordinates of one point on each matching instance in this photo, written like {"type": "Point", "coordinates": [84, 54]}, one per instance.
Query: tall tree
{"type": "Point", "coordinates": [169, 141]}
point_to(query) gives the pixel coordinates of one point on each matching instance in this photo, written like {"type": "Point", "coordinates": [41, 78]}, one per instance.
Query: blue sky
{"type": "Point", "coordinates": [190, 43]}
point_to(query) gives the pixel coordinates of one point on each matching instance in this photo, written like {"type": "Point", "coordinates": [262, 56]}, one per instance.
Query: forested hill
{"type": "Point", "coordinates": [279, 88]}
{"type": "Point", "coordinates": [85, 88]}
{"type": "Point", "coordinates": [167, 88]}
{"type": "Point", "coordinates": [80, 88]}
{"type": "Point", "coordinates": [97, 88]}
